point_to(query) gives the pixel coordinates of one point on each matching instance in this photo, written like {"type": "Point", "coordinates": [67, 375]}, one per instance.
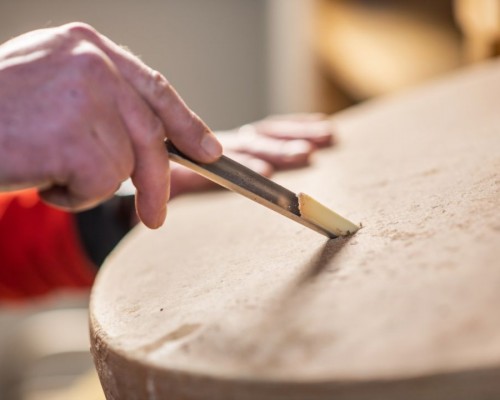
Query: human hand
{"type": "Point", "coordinates": [79, 114]}
{"type": "Point", "coordinates": [275, 143]}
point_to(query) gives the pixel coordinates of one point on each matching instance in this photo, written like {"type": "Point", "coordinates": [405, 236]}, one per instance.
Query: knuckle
{"type": "Point", "coordinates": [84, 48]}
{"type": "Point", "coordinates": [88, 58]}
{"type": "Point", "coordinates": [80, 30]}
{"type": "Point", "coordinates": [91, 70]}
{"type": "Point", "coordinates": [161, 87]}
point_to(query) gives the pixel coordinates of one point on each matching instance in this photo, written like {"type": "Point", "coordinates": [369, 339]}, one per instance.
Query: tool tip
{"type": "Point", "coordinates": [318, 214]}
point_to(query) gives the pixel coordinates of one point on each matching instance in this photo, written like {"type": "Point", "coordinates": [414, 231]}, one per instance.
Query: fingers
{"type": "Point", "coordinates": [151, 170]}
{"type": "Point", "coordinates": [281, 154]}
{"type": "Point", "coordinates": [314, 129]}
{"type": "Point", "coordinates": [182, 126]}
{"type": "Point", "coordinates": [278, 142]}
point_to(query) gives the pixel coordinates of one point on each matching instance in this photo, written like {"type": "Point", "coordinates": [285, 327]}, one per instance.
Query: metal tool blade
{"type": "Point", "coordinates": [240, 179]}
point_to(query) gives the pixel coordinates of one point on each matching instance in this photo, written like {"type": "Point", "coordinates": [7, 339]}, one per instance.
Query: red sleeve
{"type": "Point", "coordinates": [40, 249]}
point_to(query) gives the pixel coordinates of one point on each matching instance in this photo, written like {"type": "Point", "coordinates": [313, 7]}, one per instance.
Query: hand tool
{"type": "Point", "coordinates": [299, 207]}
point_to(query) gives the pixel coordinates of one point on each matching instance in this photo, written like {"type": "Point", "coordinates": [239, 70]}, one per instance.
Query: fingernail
{"type": "Point", "coordinates": [211, 145]}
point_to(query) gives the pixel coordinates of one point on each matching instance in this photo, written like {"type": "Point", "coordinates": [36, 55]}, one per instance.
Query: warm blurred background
{"type": "Point", "coordinates": [235, 61]}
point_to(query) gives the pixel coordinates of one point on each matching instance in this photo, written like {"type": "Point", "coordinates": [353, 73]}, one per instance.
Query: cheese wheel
{"type": "Point", "coordinates": [232, 301]}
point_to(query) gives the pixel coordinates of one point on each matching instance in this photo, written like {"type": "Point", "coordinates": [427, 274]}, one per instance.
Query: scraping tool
{"type": "Point", "coordinates": [240, 179]}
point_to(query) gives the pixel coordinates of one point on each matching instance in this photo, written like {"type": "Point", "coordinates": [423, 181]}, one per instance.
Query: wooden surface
{"type": "Point", "coordinates": [232, 301]}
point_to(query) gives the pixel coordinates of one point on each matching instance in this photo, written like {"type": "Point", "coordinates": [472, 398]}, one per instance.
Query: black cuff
{"type": "Point", "coordinates": [102, 227]}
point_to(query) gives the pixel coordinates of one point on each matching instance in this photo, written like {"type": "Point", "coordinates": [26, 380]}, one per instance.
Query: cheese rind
{"type": "Point", "coordinates": [318, 214]}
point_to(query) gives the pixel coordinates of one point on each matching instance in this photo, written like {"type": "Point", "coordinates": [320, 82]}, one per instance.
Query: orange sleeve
{"type": "Point", "coordinates": [40, 249]}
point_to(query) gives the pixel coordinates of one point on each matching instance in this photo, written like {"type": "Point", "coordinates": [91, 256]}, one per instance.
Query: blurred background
{"type": "Point", "coordinates": [236, 61]}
